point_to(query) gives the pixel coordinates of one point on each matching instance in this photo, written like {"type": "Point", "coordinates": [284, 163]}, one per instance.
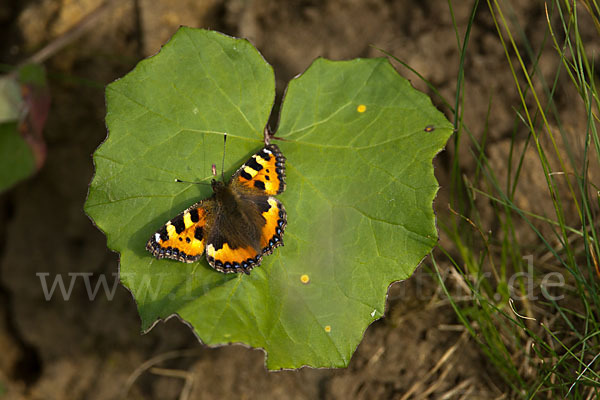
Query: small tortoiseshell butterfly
{"type": "Point", "coordinates": [240, 223]}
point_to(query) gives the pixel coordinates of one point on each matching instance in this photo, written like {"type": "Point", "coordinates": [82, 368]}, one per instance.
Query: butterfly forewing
{"type": "Point", "coordinates": [263, 173]}
{"type": "Point", "coordinates": [183, 238]}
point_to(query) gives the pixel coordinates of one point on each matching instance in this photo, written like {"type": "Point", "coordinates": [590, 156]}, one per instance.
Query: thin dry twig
{"type": "Point", "coordinates": [375, 357]}
{"type": "Point", "coordinates": [417, 386]}
{"type": "Point", "coordinates": [437, 382]}
{"type": "Point", "coordinates": [147, 365]}
{"type": "Point", "coordinates": [86, 23]}
{"type": "Point", "coordinates": [461, 388]}
{"type": "Point", "coordinates": [187, 376]}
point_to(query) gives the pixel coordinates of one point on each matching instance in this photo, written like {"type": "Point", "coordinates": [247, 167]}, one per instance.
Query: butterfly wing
{"type": "Point", "coordinates": [263, 173]}
{"type": "Point", "coordinates": [225, 257]}
{"type": "Point", "coordinates": [241, 238]}
{"type": "Point", "coordinates": [275, 217]}
{"type": "Point", "coordinates": [236, 227]}
{"type": "Point", "coordinates": [183, 238]}
{"type": "Point", "coordinates": [257, 181]}
{"type": "Point", "coordinates": [240, 248]}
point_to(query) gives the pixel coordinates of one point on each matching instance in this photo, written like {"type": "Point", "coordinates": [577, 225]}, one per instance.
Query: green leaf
{"type": "Point", "coordinates": [11, 101]}
{"type": "Point", "coordinates": [359, 195]}
{"type": "Point", "coordinates": [24, 104]}
{"type": "Point", "coordinates": [16, 158]}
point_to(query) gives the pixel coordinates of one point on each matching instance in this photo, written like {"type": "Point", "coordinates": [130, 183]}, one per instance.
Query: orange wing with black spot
{"type": "Point", "coordinates": [184, 237]}
{"type": "Point", "coordinates": [228, 259]}
{"type": "Point", "coordinates": [275, 222]}
{"type": "Point", "coordinates": [263, 173]}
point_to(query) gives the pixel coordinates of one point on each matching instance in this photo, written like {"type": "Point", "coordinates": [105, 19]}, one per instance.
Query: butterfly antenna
{"type": "Point", "coordinates": [193, 183]}
{"type": "Point", "coordinates": [223, 161]}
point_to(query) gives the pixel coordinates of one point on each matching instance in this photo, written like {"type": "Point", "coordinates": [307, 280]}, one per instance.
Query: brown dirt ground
{"type": "Point", "coordinates": [92, 350]}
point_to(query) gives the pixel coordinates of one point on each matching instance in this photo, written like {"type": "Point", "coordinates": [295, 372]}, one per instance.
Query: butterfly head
{"type": "Point", "coordinates": [217, 185]}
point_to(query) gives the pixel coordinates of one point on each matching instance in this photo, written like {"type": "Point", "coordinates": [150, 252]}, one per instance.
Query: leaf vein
{"type": "Point", "coordinates": [209, 76]}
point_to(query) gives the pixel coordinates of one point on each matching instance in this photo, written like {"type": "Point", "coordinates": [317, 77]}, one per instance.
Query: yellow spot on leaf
{"type": "Point", "coordinates": [361, 108]}
{"type": "Point", "coordinates": [327, 328]}
{"type": "Point", "coordinates": [304, 278]}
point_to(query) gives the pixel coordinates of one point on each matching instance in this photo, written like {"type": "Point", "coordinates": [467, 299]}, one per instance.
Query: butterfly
{"type": "Point", "coordinates": [237, 225]}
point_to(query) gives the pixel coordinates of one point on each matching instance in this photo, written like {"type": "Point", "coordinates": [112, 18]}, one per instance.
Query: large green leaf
{"type": "Point", "coordinates": [359, 142]}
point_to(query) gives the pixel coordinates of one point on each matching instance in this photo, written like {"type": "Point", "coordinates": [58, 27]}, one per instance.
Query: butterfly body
{"type": "Point", "coordinates": [240, 223]}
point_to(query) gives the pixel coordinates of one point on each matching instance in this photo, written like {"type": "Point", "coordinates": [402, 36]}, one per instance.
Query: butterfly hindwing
{"type": "Point", "coordinates": [263, 173]}
{"type": "Point", "coordinates": [240, 249]}
{"type": "Point", "coordinates": [183, 238]}
{"type": "Point", "coordinates": [275, 222]}
{"type": "Point", "coordinates": [227, 258]}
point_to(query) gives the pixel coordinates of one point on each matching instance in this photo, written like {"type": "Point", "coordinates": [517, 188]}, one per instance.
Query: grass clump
{"type": "Point", "coordinates": [521, 233]}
